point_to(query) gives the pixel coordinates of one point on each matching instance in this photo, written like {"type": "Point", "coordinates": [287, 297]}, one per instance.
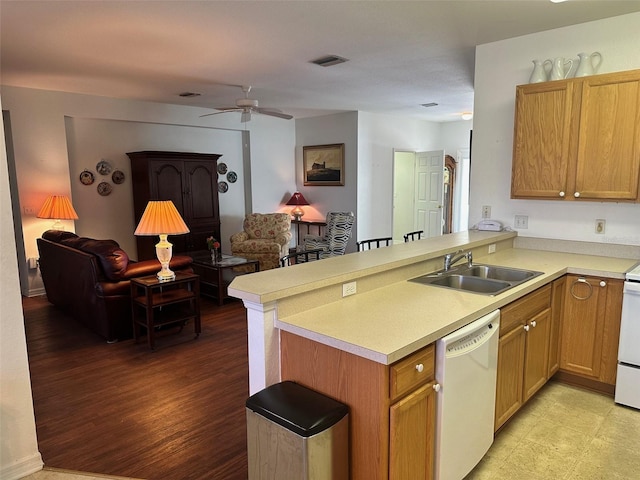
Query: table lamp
{"type": "Point", "coordinates": [298, 200]}
{"type": "Point", "coordinates": [162, 218]}
{"type": "Point", "coordinates": [59, 208]}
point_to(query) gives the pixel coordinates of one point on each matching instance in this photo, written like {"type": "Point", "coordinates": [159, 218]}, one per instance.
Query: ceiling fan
{"type": "Point", "coordinates": [248, 106]}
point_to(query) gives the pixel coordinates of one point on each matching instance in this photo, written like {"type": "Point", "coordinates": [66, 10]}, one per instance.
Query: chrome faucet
{"type": "Point", "coordinates": [451, 258]}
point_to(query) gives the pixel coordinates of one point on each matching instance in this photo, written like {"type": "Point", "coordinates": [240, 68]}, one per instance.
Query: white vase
{"type": "Point", "coordinates": [558, 70]}
{"type": "Point", "coordinates": [539, 74]}
{"type": "Point", "coordinates": [586, 66]}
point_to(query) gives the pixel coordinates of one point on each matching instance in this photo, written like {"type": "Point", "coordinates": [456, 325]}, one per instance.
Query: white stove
{"type": "Point", "coordinates": [634, 274]}
{"type": "Point", "coordinates": [628, 377]}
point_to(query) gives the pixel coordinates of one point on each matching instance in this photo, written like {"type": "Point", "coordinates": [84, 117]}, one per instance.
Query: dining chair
{"type": "Point", "coordinates": [411, 236]}
{"type": "Point", "coordinates": [302, 256]}
{"type": "Point", "coordinates": [374, 243]}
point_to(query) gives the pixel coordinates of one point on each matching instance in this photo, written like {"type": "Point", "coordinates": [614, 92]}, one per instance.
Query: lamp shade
{"type": "Point", "coordinates": [297, 199]}
{"type": "Point", "coordinates": [58, 207]}
{"type": "Point", "coordinates": [161, 218]}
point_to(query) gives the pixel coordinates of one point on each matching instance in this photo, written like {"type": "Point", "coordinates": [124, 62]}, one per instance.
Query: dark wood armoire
{"type": "Point", "coordinates": [190, 181]}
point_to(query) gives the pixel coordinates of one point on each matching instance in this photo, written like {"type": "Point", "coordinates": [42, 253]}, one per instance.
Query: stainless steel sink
{"type": "Point", "coordinates": [483, 279]}
{"type": "Point", "coordinates": [499, 273]}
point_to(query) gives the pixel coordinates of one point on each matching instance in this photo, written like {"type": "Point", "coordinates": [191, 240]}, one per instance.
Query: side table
{"type": "Point", "coordinates": [155, 303]}
{"type": "Point", "coordinates": [216, 276]}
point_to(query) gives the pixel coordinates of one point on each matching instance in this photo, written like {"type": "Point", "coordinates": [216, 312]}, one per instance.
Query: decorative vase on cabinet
{"type": "Point", "coordinates": [586, 66]}
{"type": "Point", "coordinates": [539, 74]}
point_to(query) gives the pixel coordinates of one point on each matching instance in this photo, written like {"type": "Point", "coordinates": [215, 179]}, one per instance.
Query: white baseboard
{"type": "Point", "coordinates": [22, 468]}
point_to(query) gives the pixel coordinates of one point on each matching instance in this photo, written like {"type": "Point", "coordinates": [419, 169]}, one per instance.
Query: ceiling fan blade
{"type": "Point", "coordinates": [274, 113]}
{"type": "Point", "coordinates": [209, 114]}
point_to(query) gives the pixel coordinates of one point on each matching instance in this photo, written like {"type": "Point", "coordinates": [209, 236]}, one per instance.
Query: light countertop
{"type": "Point", "coordinates": [387, 322]}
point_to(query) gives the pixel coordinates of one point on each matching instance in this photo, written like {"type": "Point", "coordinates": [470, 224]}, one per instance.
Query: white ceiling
{"type": "Point", "coordinates": [402, 53]}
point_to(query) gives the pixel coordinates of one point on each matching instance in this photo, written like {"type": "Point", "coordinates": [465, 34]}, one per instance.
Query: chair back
{"type": "Point", "coordinates": [411, 236]}
{"type": "Point", "coordinates": [302, 256]}
{"type": "Point", "coordinates": [338, 231]}
{"type": "Point", "coordinates": [374, 243]}
{"type": "Point", "coordinates": [266, 225]}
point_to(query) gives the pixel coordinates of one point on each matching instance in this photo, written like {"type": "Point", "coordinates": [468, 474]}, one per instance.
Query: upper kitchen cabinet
{"type": "Point", "coordinates": [578, 139]}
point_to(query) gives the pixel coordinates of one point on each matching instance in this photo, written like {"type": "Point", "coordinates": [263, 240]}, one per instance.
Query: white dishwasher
{"type": "Point", "coordinates": [466, 369]}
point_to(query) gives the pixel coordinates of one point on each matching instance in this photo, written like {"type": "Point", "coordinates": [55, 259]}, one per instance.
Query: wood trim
{"type": "Point", "coordinates": [587, 383]}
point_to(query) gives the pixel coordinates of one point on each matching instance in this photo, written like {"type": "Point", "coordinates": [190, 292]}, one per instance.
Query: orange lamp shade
{"type": "Point", "coordinates": [58, 207]}
{"type": "Point", "coordinates": [161, 218]}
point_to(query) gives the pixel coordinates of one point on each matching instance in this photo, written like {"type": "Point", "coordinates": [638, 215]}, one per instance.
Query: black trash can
{"type": "Point", "coordinates": [295, 433]}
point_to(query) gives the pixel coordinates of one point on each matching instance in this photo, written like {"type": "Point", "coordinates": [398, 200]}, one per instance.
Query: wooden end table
{"type": "Point", "coordinates": [155, 303]}
{"type": "Point", "coordinates": [215, 277]}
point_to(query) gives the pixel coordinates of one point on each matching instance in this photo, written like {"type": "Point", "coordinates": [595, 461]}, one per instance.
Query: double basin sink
{"type": "Point", "coordinates": [482, 279]}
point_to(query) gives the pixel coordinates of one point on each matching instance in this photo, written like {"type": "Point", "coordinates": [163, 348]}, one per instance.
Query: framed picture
{"type": "Point", "coordinates": [323, 164]}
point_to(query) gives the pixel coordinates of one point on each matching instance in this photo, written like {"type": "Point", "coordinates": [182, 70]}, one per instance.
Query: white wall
{"type": "Point", "coordinates": [19, 454]}
{"type": "Point", "coordinates": [500, 66]}
{"type": "Point", "coordinates": [326, 130]}
{"type": "Point", "coordinates": [42, 153]}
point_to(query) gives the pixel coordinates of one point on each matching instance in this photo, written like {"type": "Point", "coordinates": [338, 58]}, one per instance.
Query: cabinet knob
{"type": "Point", "coordinates": [436, 387]}
{"type": "Point", "coordinates": [603, 283]}
{"type": "Point", "coordinates": [561, 194]}
{"type": "Point", "coordinates": [526, 328]}
{"type": "Point", "coordinates": [577, 194]}
{"type": "Point", "coordinates": [533, 323]}
{"type": "Point", "coordinates": [419, 368]}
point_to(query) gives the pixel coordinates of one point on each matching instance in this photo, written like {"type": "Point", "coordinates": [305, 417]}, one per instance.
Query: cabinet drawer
{"type": "Point", "coordinates": [405, 375]}
{"type": "Point", "coordinates": [518, 312]}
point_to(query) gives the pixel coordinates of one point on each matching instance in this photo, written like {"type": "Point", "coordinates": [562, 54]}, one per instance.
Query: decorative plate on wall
{"type": "Point", "coordinates": [117, 177]}
{"type": "Point", "coordinates": [223, 187]}
{"type": "Point", "coordinates": [103, 167]}
{"type": "Point", "coordinates": [222, 168]}
{"type": "Point", "coordinates": [104, 188]}
{"type": "Point", "coordinates": [232, 177]}
{"type": "Point", "coordinates": [87, 177]}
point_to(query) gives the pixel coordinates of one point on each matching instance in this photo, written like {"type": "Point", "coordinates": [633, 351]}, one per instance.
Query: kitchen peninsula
{"type": "Point", "coordinates": [301, 327]}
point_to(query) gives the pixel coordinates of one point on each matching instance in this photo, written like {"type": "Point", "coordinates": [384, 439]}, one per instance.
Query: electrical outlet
{"type": "Point", "coordinates": [486, 211]}
{"type": "Point", "coordinates": [29, 211]}
{"type": "Point", "coordinates": [492, 248]}
{"type": "Point", "coordinates": [521, 221]}
{"type": "Point", "coordinates": [348, 289]}
{"type": "Point", "coordinates": [600, 225]}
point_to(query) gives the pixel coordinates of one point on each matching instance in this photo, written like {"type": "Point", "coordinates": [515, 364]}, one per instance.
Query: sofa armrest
{"type": "Point", "coordinates": [149, 267]}
{"type": "Point", "coordinates": [239, 237]}
{"type": "Point", "coordinates": [283, 238]}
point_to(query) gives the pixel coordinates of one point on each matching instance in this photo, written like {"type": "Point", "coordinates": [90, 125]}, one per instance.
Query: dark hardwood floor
{"type": "Point", "coordinates": [176, 413]}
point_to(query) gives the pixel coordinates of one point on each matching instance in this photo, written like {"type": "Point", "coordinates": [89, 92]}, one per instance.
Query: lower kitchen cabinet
{"type": "Point", "coordinates": [411, 449]}
{"type": "Point", "coordinates": [391, 407]}
{"type": "Point", "coordinates": [591, 327]}
{"type": "Point", "coordinates": [523, 352]}
{"type": "Point", "coordinates": [557, 314]}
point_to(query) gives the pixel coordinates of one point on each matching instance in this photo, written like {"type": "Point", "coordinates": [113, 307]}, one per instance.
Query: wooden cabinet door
{"type": "Point", "coordinates": [511, 348]}
{"type": "Point", "coordinates": [201, 203]}
{"type": "Point", "coordinates": [412, 433]}
{"type": "Point", "coordinates": [536, 363]}
{"type": "Point", "coordinates": [583, 326]}
{"type": "Point", "coordinates": [543, 122]}
{"type": "Point", "coordinates": [608, 163]}
{"type": "Point", "coordinates": [557, 313]}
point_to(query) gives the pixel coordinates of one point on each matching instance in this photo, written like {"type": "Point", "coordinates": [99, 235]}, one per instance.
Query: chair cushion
{"type": "Point", "coordinates": [257, 245]}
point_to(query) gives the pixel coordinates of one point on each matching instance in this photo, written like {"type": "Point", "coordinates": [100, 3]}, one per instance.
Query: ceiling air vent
{"type": "Point", "coordinates": [432, 104]}
{"type": "Point", "coordinates": [329, 60]}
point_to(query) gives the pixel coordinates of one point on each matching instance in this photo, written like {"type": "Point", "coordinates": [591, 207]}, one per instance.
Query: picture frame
{"type": "Point", "coordinates": [323, 165]}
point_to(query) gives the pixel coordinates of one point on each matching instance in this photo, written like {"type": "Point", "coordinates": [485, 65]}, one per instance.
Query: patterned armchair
{"type": "Point", "coordinates": [336, 235]}
{"type": "Point", "coordinates": [265, 238]}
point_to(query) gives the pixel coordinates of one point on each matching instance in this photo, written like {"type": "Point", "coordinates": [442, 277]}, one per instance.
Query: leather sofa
{"type": "Point", "coordinates": [89, 280]}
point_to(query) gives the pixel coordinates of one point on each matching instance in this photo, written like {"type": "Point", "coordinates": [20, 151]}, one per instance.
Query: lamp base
{"type": "Point", "coordinates": [164, 252]}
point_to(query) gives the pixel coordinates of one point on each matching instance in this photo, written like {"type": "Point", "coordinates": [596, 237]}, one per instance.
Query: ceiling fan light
{"type": "Point", "coordinates": [246, 116]}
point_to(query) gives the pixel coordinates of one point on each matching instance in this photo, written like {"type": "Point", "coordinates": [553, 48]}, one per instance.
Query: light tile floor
{"type": "Point", "coordinates": [566, 433]}
{"type": "Point", "coordinates": [563, 433]}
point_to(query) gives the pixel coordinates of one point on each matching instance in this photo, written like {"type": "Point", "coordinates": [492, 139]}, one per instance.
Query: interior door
{"type": "Point", "coordinates": [428, 200]}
